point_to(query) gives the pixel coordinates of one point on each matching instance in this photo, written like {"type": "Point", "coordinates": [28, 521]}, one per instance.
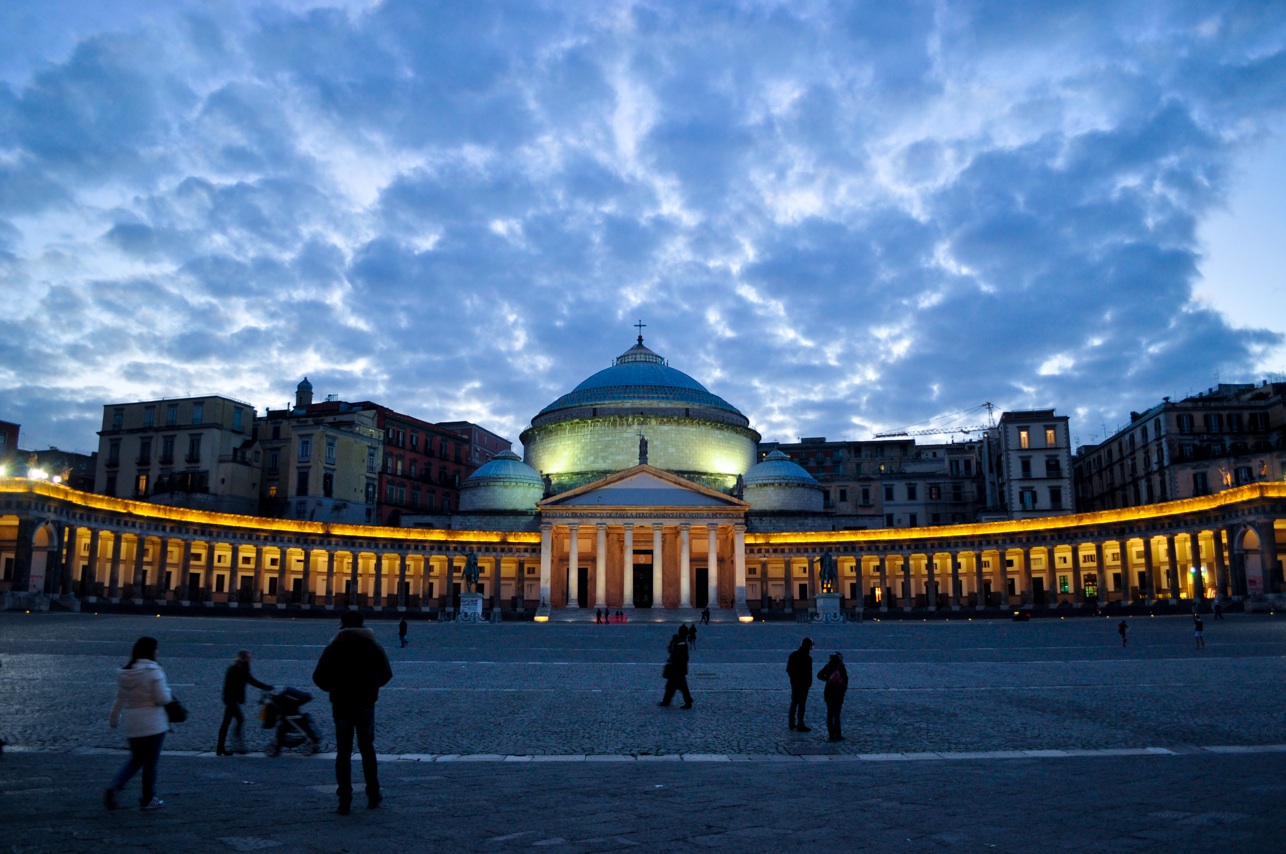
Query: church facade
{"type": "Point", "coordinates": [640, 492]}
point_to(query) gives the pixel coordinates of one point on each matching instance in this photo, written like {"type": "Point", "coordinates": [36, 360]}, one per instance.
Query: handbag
{"type": "Point", "coordinates": [665, 671]}
{"type": "Point", "coordinates": [176, 712]}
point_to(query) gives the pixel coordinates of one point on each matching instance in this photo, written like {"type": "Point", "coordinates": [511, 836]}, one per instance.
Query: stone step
{"type": "Point", "coordinates": [645, 615]}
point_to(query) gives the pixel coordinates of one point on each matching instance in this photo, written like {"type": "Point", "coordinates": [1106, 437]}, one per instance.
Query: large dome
{"type": "Point", "coordinates": [603, 425]}
{"type": "Point", "coordinates": [639, 376]}
{"type": "Point", "coordinates": [504, 483]}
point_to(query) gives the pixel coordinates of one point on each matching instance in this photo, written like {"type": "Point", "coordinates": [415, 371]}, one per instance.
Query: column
{"type": "Point", "coordinates": [884, 582]}
{"type": "Point", "coordinates": [306, 597]}
{"type": "Point", "coordinates": [330, 579]}
{"type": "Point", "coordinates": [600, 566]}
{"type": "Point", "coordinates": [260, 586]}
{"type": "Point", "coordinates": [1127, 556]}
{"type": "Point", "coordinates": [1194, 566]}
{"type": "Point", "coordinates": [712, 570]}
{"type": "Point", "coordinates": [95, 540]}
{"type": "Point", "coordinates": [1149, 584]}
{"type": "Point", "coordinates": [789, 576]}
{"type": "Point", "coordinates": [1029, 589]}
{"type": "Point", "coordinates": [401, 581]}
{"type": "Point", "coordinates": [283, 593]}
{"type": "Point", "coordinates": [71, 559]}
{"type": "Point", "coordinates": [573, 566]}
{"type": "Point", "coordinates": [813, 589]}
{"type": "Point", "coordinates": [628, 567]}
{"type": "Point", "coordinates": [980, 582]}
{"type": "Point", "coordinates": [906, 582]}
{"type": "Point", "coordinates": [1221, 568]}
{"type": "Point", "coordinates": [1268, 553]}
{"type": "Point", "coordinates": [546, 548]}
{"type": "Point", "coordinates": [140, 567]}
{"type": "Point", "coordinates": [1078, 595]}
{"type": "Point", "coordinates": [930, 586]}
{"type": "Point", "coordinates": [1172, 568]}
{"type": "Point", "coordinates": [1002, 572]}
{"type": "Point", "coordinates": [685, 566]}
{"type": "Point", "coordinates": [185, 572]}
{"type": "Point", "coordinates": [378, 593]}
{"type": "Point", "coordinates": [955, 580]}
{"type": "Point", "coordinates": [355, 565]}
{"type": "Point", "coordinates": [765, 595]}
{"type": "Point", "coordinates": [658, 599]}
{"type": "Point", "coordinates": [739, 565]}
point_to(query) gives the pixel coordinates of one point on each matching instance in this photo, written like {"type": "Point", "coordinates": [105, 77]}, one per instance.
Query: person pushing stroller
{"type": "Point", "coordinates": [234, 694]}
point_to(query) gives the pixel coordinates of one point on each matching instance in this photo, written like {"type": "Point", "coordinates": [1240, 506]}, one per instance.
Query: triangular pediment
{"type": "Point", "coordinates": [642, 487]}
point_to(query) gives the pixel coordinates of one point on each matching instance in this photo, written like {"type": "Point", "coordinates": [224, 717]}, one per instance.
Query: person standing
{"type": "Point", "coordinates": [799, 667]}
{"type": "Point", "coordinates": [141, 695]}
{"type": "Point", "coordinates": [676, 670]}
{"type": "Point", "coordinates": [1218, 609]}
{"type": "Point", "coordinates": [234, 694]}
{"type": "Point", "coordinates": [1197, 627]}
{"type": "Point", "coordinates": [835, 677]}
{"type": "Point", "coordinates": [705, 615]}
{"type": "Point", "coordinates": [401, 632]}
{"type": "Point", "coordinates": [1124, 629]}
{"type": "Point", "coordinates": [352, 669]}
{"type": "Point", "coordinates": [692, 638]}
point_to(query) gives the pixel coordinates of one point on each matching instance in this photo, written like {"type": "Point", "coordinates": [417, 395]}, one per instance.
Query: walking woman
{"type": "Point", "coordinates": [835, 675]}
{"type": "Point", "coordinates": [141, 695]}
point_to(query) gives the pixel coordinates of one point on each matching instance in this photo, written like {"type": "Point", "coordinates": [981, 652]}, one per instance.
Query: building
{"type": "Point", "coordinates": [191, 452]}
{"type": "Point", "coordinates": [9, 462]}
{"type": "Point", "coordinates": [358, 462]}
{"type": "Point", "coordinates": [1225, 437]}
{"type": "Point", "coordinates": [483, 445]}
{"type": "Point", "coordinates": [1029, 471]}
{"type": "Point", "coordinates": [640, 491]}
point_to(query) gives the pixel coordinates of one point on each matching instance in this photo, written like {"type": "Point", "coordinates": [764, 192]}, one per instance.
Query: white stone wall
{"type": "Point", "coordinates": [799, 499]}
{"type": "Point", "coordinates": [612, 444]}
{"type": "Point", "coordinates": [500, 496]}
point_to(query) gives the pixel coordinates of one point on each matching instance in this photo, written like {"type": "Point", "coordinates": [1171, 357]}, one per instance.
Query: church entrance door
{"type": "Point", "coordinates": [701, 587]}
{"type": "Point", "coordinates": [582, 586]}
{"type": "Point", "coordinates": [643, 585]}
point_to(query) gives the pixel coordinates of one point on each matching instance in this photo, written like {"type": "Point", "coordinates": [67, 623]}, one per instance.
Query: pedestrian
{"type": "Point", "coordinates": [1197, 627]}
{"type": "Point", "coordinates": [705, 615]}
{"type": "Point", "coordinates": [1124, 628]}
{"type": "Point", "coordinates": [676, 670]}
{"type": "Point", "coordinates": [352, 669]}
{"type": "Point", "coordinates": [1218, 609]}
{"type": "Point", "coordinates": [799, 667]}
{"type": "Point", "coordinates": [234, 694]}
{"type": "Point", "coordinates": [141, 695]}
{"type": "Point", "coordinates": [692, 638]}
{"type": "Point", "coordinates": [835, 677]}
{"type": "Point", "coordinates": [598, 616]}
{"type": "Point", "coordinates": [401, 632]}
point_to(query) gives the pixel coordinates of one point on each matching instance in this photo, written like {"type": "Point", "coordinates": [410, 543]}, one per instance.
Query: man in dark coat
{"type": "Point", "coordinates": [234, 694]}
{"type": "Point", "coordinates": [799, 667]}
{"type": "Point", "coordinates": [352, 670]}
{"type": "Point", "coordinates": [676, 670]}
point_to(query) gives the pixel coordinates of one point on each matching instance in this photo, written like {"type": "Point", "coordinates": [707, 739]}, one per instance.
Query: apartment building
{"type": "Point", "coordinates": [1029, 472]}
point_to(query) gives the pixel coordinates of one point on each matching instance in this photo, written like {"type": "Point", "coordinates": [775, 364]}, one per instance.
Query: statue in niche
{"type": "Point", "coordinates": [642, 450]}
{"type": "Point", "coordinates": [828, 576]}
{"type": "Point", "coordinates": [471, 573]}
{"type": "Point", "coordinates": [549, 485]}
{"type": "Point", "coordinates": [739, 490]}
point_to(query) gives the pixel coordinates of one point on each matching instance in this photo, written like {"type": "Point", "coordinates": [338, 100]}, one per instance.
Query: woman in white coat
{"type": "Point", "coordinates": [141, 695]}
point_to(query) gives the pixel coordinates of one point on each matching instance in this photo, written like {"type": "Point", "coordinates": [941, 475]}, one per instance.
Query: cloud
{"type": "Point", "coordinates": [841, 218]}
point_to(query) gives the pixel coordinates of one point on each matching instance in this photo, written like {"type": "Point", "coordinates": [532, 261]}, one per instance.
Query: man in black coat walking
{"type": "Point", "coordinates": [676, 670]}
{"type": "Point", "coordinates": [234, 694]}
{"type": "Point", "coordinates": [352, 670]}
{"type": "Point", "coordinates": [799, 667]}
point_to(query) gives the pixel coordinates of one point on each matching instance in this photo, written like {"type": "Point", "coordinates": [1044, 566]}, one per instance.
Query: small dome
{"type": "Point", "coordinates": [505, 467]}
{"type": "Point", "coordinates": [505, 483]}
{"type": "Point", "coordinates": [305, 385]}
{"type": "Point", "coordinates": [777, 469]}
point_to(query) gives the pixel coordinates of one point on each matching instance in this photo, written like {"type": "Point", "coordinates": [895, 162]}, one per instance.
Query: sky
{"type": "Point", "coordinates": [843, 218]}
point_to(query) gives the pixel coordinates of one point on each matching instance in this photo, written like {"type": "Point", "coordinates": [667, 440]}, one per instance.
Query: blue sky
{"type": "Point", "coordinates": [843, 218]}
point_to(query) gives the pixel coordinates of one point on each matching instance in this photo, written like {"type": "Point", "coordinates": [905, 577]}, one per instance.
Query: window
{"type": "Point", "coordinates": [149, 414]}
{"type": "Point", "coordinates": [114, 453]}
{"type": "Point", "coordinates": [144, 452]}
{"type": "Point", "coordinates": [843, 493]}
{"type": "Point", "coordinates": [1214, 422]}
{"type": "Point", "coordinates": [328, 484]}
{"type": "Point", "coordinates": [274, 461]}
{"type": "Point", "coordinates": [888, 493]}
{"type": "Point", "coordinates": [167, 450]}
{"type": "Point", "coordinates": [171, 414]}
{"type": "Point", "coordinates": [198, 412]}
{"type": "Point", "coordinates": [888, 520]}
{"type": "Point", "coordinates": [194, 448]}
{"type": "Point", "coordinates": [1200, 484]}
{"type": "Point", "coordinates": [1051, 438]}
{"type": "Point", "coordinates": [305, 448]}
{"type": "Point", "coordinates": [1064, 584]}
{"type": "Point", "coordinates": [415, 441]}
{"type": "Point", "coordinates": [236, 418]}
{"type": "Point", "coordinates": [1243, 475]}
{"type": "Point", "coordinates": [912, 520]}
{"type": "Point", "coordinates": [968, 466]}
{"type": "Point", "coordinates": [1024, 465]}
{"type": "Point", "coordinates": [1185, 423]}
{"type": "Point", "coordinates": [370, 459]}
{"type": "Point", "coordinates": [957, 492]}
{"type": "Point", "coordinates": [398, 467]}
{"type": "Point", "coordinates": [1234, 422]}
{"type": "Point", "coordinates": [1024, 439]}
{"type": "Point", "coordinates": [140, 485]}
{"type": "Point", "coordinates": [911, 492]}
{"type": "Point", "coordinates": [415, 493]}
{"type": "Point", "coordinates": [1056, 497]}
{"type": "Point", "coordinates": [414, 467]}
{"type": "Point", "coordinates": [276, 431]}
{"type": "Point", "coordinates": [866, 495]}
{"type": "Point", "coordinates": [388, 493]}
{"type": "Point", "coordinates": [370, 492]}
{"type": "Point", "coordinates": [330, 450]}
{"type": "Point", "coordinates": [110, 487]}
{"type": "Point", "coordinates": [1053, 467]}
{"type": "Point", "coordinates": [401, 494]}
{"type": "Point", "coordinates": [935, 493]}
{"type": "Point", "coordinates": [955, 468]}
{"type": "Point", "coordinates": [118, 415]}
{"type": "Point", "coordinates": [1027, 499]}
{"type": "Point", "coordinates": [301, 482]}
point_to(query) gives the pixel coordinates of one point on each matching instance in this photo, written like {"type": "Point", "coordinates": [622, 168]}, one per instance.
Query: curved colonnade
{"type": "Point", "coordinates": [58, 542]}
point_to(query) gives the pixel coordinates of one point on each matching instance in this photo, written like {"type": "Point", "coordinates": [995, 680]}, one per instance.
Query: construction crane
{"type": "Point", "coordinates": [946, 430]}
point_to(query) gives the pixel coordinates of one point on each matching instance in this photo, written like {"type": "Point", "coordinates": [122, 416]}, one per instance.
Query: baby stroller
{"type": "Point", "coordinates": [294, 728]}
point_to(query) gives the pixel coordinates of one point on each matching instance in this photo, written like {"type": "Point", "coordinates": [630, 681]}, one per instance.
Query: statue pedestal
{"type": "Point", "coordinates": [470, 608]}
{"type": "Point", "coordinates": [828, 608]}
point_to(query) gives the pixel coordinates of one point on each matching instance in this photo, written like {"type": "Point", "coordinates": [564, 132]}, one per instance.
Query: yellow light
{"type": "Point", "coordinates": [37, 474]}
{"type": "Point", "coordinates": [541, 619]}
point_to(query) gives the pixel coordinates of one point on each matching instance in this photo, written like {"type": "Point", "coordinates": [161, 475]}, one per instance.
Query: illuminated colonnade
{"type": "Point", "coordinates": [61, 542]}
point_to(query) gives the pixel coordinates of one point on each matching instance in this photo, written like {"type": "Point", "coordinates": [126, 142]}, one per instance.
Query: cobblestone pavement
{"type": "Point", "coordinates": [964, 735]}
